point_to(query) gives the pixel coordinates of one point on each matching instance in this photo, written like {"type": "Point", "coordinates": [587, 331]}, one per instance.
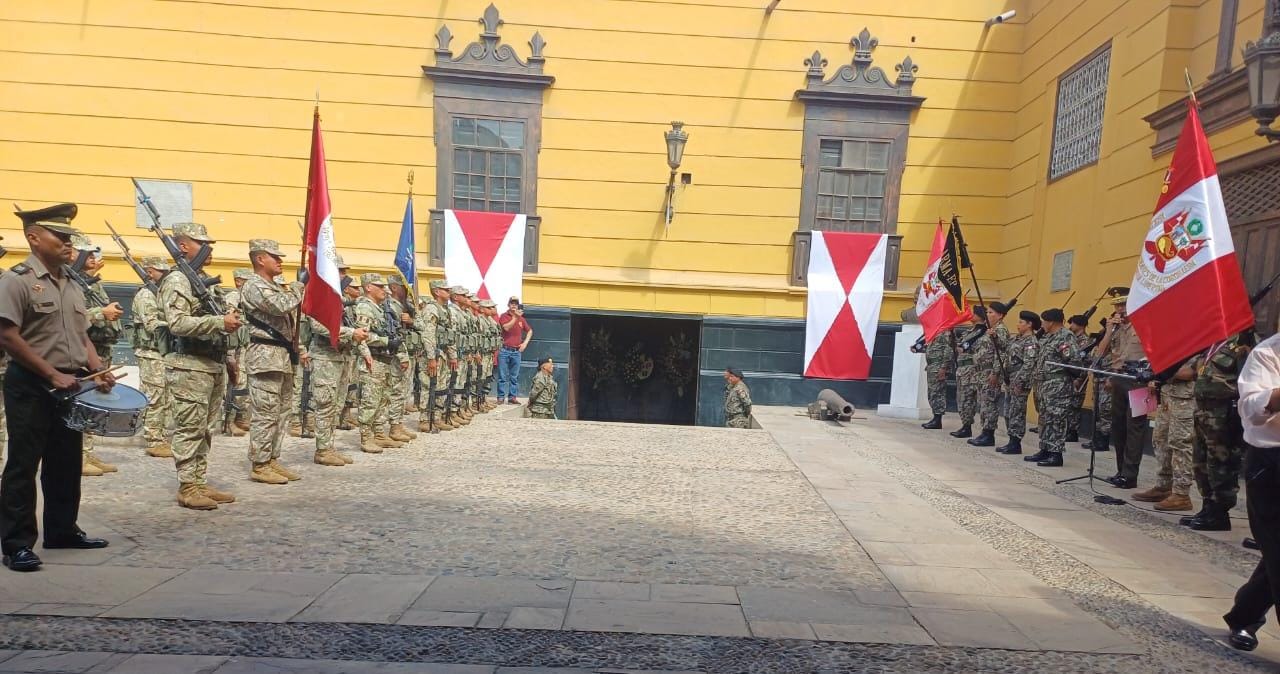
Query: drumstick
{"type": "Point", "coordinates": [95, 375]}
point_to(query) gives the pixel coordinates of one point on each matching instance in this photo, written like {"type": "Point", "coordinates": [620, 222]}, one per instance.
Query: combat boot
{"type": "Point", "coordinates": [328, 457]}
{"type": "Point", "coordinates": [280, 470]}
{"type": "Point", "coordinates": [1073, 435]}
{"type": "Point", "coordinates": [965, 431]}
{"type": "Point", "coordinates": [345, 459]}
{"type": "Point", "coordinates": [1174, 502]}
{"type": "Point", "coordinates": [191, 496]}
{"type": "Point", "coordinates": [102, 465]}
{"type": "Point", "coordinates": [386, 442]}
{"type": "Point", "coordinates": [1014, 446]}
{"type": "Point", "coordinates": [986, 439]}
{"type": "Point", "coordinates": [1038, 456]}
{"type": "Point", "coordinates": [441, 424]}
{"type": "Point", "coordinates": [295, 430]}
{"type": "Point", "coordinates": [309, 431]}
{"type": "Point", "coordinates": [399, 432]}
{"type": "Point", "coordinates": [241, 423]}
{"type": "Point", "coordinates": [217, 495]}
{"type": "Point", "coordinates": [410, 407]}
{"type": "Point", "coordinates": [347, 421]}
{"type": "Point", "coordinates": [237, 432]}
{"type": "Point", "coordinates": [262, 473]}
{"type": "Point", "coordinates": [87, 469]}
{"type": "Point", "coordinates": [1188, 519]}
{"type": "Point", "coordinates": [160, 451]}
{"type": "Point", "coordinates": [367, 442]}
{"type": "Point", "coordinates": [933, 424]}
{"type": "Point", "coordinates": [1152, 495]}
{"type": "Point", "coordinates": [1214, 519]}
{"type": "Point", "coordinates": [1098, 443]}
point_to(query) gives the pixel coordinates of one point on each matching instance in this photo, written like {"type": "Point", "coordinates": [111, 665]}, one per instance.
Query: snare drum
{"type": "Point", "coordinates": [114, 414]}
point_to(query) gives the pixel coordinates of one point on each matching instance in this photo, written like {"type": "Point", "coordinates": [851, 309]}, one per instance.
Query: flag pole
{"type": "Point", "coordinates": [1191, 90]}
{"type": "Point", "coordinates": [965, 261]}
{"type": "Point", "coordinates": [306, 221]}
{"type": "Point", "coordinates": [413, 283]}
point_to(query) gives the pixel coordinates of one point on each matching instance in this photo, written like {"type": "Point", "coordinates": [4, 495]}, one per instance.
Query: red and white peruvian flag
{"type": "Point", "coordinates": [846, 286]}
{"type": "Point", "coordinates": [941, 304]}
{"type": "Point", "coordinates": [322, 298]}
{"type": "Point", "coordinates": [484, 252]}
{"type": "Point", "coordinates": [1188, 292]}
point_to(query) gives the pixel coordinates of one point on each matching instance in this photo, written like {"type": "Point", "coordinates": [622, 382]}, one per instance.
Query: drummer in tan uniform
{"type": "Point", "coordinates": [43, 327]}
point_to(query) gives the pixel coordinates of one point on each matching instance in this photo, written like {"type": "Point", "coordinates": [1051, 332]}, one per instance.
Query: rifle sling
{"type": "Point", "coordinates": [277, 339]}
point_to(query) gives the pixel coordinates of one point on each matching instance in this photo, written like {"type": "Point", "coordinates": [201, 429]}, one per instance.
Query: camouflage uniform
{"type": "Point", "coordinates": [1219, 436]}
{"type": "Point", "coordinates": [937, 359]}
{"type": "Point", "coordinates": [329, 385]}
{"type": "Point", "coordinates": [989, 365]}
{"type": "Point", "coordinates": [348, 389]}
{"type": "Point", "coordinates": [267, 359]}
{"type": "Point", "coordinates": [1055, 385]}
{"type": "Point", "coordinates": [493, 342]}
{"type": "Point", "coordinates": [150, 341]}
{"type": "Point", "coordinates": [376, 382]}
{"type": "Point", "coordinates": [737, 406]}
{"type": "Point", "coordinates": [295, 413]}
{"type": "Point", "coordinates": [1172, 437]}
{"type": "Point", "coordinates": [103, 333]}
{"type": "Point", "coordinates": [401, 378]}
{"type": "Point", "coordinates": [236, 343]}
{"type": "Point", "coordinates": [1020, 363]}
{"type": "Point", "coordinates": [966, 377]}
{"type": "Point", "coordinates": [1079, 385]}
{"type": "Point", "coordinates": [542, 396]}
{"type": "Point", "coordinates": [195, 370]}
{"type": "Point", "coordinates": [463, 345]}
{"type": "Point", "coordinates": [426, 323]}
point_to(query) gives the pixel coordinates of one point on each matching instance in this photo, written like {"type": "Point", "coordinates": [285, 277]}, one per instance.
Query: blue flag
{"type": "Point", "coordinates": [406, 260]}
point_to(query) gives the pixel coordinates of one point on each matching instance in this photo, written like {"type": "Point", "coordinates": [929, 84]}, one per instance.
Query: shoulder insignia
{"type": "Point", "coordinates": [20, 268]}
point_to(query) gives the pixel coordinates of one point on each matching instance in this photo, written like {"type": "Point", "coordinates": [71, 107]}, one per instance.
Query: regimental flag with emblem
{"type": "Point", "coordinates": [941, 304]}
{"type": "Point", "coordinates": [484, 252]}
{"type": "Point", "coordinates": [322, 299]}
{"type": "Point", "coordinates": [1187, 292]}
{"type": "Point", "coordinates": [846, 287]}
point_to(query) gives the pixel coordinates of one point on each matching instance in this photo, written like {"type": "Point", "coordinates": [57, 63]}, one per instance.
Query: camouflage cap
{"type": "Point", "coordinates": [339, 262]}
{"type": "Point", "coordinates": [457, 290]}
{"type": "Point", "coordinates": [53, 218]}
{"type": "Point", "coordinates": [395, 280]}
{"type": "Point", "coordinates": [193, 230]}
{"type": "Point", "coordinates": [268, 246]}
{"type": "Point", "coordinates": [155, 262]}
{"type": "Point", "coordinates": [373, 278]}
{"type": "Point", "coordinates": [472, 297]}
{"type": "Point", "coordinates": [488, 304]}
{"type": "Point", "coordinates": [242, 273]}
{"type": "Point", "coordinates": [439, 284]}
{"type": "Point", "coordinates": [81, 242]}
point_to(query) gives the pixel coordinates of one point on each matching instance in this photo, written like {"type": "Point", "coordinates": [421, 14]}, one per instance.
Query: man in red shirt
{"type": "Point", "coordinates": [516, 334]}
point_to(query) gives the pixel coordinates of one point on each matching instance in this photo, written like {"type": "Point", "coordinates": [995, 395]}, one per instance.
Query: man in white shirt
{"type": "Point", "coordinates": [1259, 406]}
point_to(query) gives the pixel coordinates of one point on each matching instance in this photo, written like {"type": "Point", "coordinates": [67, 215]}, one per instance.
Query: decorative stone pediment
{"type": "Point", "coordinates": [860, 82]}
{"type": "Point", "coordinates": [488, 60]}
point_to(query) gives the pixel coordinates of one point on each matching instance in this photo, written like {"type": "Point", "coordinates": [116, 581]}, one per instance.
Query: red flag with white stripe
{"type": "Point", "coordinates": [1187, 292]}
{"type": "Point", "coordinates": [484, 252]}
{"type": "Point", "coordinates": [846, 287]}
{"type": "Point", "coordinates": [322, 298]}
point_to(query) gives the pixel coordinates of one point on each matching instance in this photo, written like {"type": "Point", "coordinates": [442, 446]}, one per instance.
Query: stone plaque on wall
{"type": "Point", "coordinates": [1062, 263]}
{"type": "Point", "coordinates": [171, 198]}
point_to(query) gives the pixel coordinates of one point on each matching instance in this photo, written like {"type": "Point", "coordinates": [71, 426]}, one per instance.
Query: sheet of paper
{"type": "Point", "coordinates": [1142, 401]}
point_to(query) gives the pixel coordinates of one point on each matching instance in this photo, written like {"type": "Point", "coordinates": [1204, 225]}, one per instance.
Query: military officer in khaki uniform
{"type": "Point", "coordinates": [382, 354]}
{"type": "Point", "coordinates": [43, 326]}
{"type": "Point", "coordinates": [195, 372]}
{"type": "Point", "coordinates": [150, 341]}
{"type": "Point", "coordinates": [104, 329]}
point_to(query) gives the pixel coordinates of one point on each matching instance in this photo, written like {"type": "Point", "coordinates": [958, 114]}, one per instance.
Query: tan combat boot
{"type": "Point", "coordinates": [237, 432]}
{"type": "Point", "coordinates": [1153, 495]}
{"type": "Point", "coordinates": [102, 465]}
{"type": "Point", "coordinates": [160, 451]}
{"type": "Point", "coordinates": [280, 470]}
{"type": "Point", "coordinates": [399, 432]}
{"type": "Point", "coordinates": [242, 424]}
{"type": "Point", "coordinates": [328, 457]}
{"type": "Point", "coordinates": [262, 473]}
{"type": "Point", "coordinates": [345, 459]}
{"type": "Point", "coordinates": [87, 469]}
{"type": "Point", "coordinates": [295, 430]}
{"type": "Point", "coordinates": [385, 441]}
{"type": "Point", "coordinates": [217, 495]}
{"type": "Point", "coordinates": [1174, 502]}
{"type": "Point", "coordinates": [367, 442]}
{"type": "Point", "coordinates": [347, 420]}
{"type": "Point", "coordinates": [410, 407]}
{"type": "Point", "coordinates": [191, 496]}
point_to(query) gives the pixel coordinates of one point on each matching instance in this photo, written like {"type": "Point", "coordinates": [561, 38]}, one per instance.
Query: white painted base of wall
{"type": "Point", "coordinates": [908, 392]}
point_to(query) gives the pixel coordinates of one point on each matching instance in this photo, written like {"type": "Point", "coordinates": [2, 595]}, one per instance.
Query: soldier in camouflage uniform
{"type": "Point", "coordinates": [379, 355]}
{"type": "Point", "coordinates": [150, 341]}
{"type": "Point", "coordinates": [967, 373]}
{"type": "Point", "coordinates": [543, 391]}
{"type": "Point", "coordinates": [938, 355]}
{"type": "Point", "coordinates": [988, 358]}
{"type": "Point", "coordinates": [1077, 325]}
{"type": "Point", "coordinates": [349, 391]}
{"type": "Point", "coordinates": [480, 332]}
{"type": "Point", "coordinates": [1020, 363]}
{"type": "Point", "coordinates": [195, 373]}
{"type": "Point", "coordinates": [410, 348]}
{"type": "Point", "coordinates": [236, 343]}
{"type": "Point", "coordinates": [1172, 439]}
{"type": "Point", "coordinates": [463, 344]}
{"type": "Point", "coordinates": [302, 378]}
{"type": "Point", "coordinates": [493, 340]}
{"type": "Point", "coordinates": [329, 381]}
{"type": "Point", "coordinates": [104, 329]}
{"type": "Point", "coordinates": [737, 400]}
{"type": "Point", "coordinates": [270, 308]}
{"type": "Point", "coordinates": [1055, 386]}
{"type": "Point", "coordinates": [1218, 446]}
{"type": "Point", "coordinates": [439, 357]}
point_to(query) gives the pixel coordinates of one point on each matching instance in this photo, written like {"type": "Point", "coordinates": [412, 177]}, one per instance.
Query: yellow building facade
{"type": "Point", "coordinates": [219, 96]}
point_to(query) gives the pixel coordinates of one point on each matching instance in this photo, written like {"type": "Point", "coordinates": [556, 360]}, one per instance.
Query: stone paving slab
{"type": "Point", "coordinates": [146, 663]}
{"type": "Point", "coordinates": [260, 665]}
{"type": "Point", "coordinates": [654, 617]}
{"type": "Point", "coordinates": [54, 661]}
{"type": "Point", "coordinates": [102, 585]}
{"type": "Point", "coordinates": [365, 598]}
{"type": "Point", "coordinates": [457, 593]}
{"type": "Point", "coordinates": [221, 594]}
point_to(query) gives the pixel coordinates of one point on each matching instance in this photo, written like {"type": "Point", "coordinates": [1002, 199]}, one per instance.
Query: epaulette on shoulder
{"type": "Point", "coordinates": [20, 268]}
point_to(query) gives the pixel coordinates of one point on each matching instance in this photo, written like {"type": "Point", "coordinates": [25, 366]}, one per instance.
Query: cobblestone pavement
{"type": "Point", "coordinates": [568, 547]}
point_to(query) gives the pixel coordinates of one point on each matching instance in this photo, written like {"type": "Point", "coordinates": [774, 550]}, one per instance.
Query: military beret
{"type": "Point", "coordinates": [438, 284]}
{"type": "Point", "coordinates": [395, 280]}
{"type": "Point", "coordinates": [1000, 308]}
{"type": "Point", "coordinates": [155, 262]}
{"type": "Point", "coordinates": [53, 218]}
{"type": "Point", "coordinates": [242, 273]}
{"type": "Point", "coordinates": [1028, 316]}
{"type": "Point", "coordinates": [81, 242]}
{"type": "Point", "coordinates": [734, 371]}
{"type": "Point", "coordinates": [269, 246]}
{"type": "Point", "coordinates": [194, 231]}
{"type": "Point", "coordinates": [1052, 315]}
{"type": "Point", "coordinates": [1079, 320]}
{"type": "Point", "coordinates": [346, 282]}
{"type": "Point", "coordinates": [372, 278]}
{"type": "Point", "coordinates": [980, 311]}
{"type": "Point", "coordinates": [544, 361]}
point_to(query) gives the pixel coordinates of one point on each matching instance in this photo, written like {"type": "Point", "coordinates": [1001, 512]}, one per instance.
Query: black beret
{"type": "Point", "coordinates": [1000, 308]}
{"type": "Point", "coordinates": [1052, 315]}
{"type": "Point", "coordinates": [1028, 316]}
{"type": "Point", "coordinates": [1079, 320]}
{"type": "Point", "coordinates": [346, 281]}
{"type": "Point", "coordinates": [980, 311]}
{"type": "Point", "coordinates": [544, 361]}
{"type": "Point", "coordinates": [734, 371]}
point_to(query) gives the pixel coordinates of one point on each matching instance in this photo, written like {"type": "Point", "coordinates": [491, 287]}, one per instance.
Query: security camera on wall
{"type": "Point", "coordinates": [1001, 18]}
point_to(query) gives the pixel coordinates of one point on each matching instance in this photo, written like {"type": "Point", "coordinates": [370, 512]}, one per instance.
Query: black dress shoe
{"type": "Point", "coordinates": [1251, 544]}
{"type": "Point", "coordinates": [22, 560]}
{"type": "Point", "coordinates": [80, 541]}
{"type": "Point", "coordinates": [1123, 482]}
{"type": "Point", "coordinates": [933, 424]}
{"type": "Point", "coordinates": [1038, 456]}
{"type": "Point", "coordinates": [1242, 640]}
{"type": "Point", "coordinates": [1054, 461]}
{"type": "Point", "coordinates": [1211, 522]}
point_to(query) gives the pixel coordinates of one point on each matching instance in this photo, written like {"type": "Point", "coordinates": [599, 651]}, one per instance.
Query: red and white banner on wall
{"type": "Point", "coordinates": [846, 287]}
{"type": "Point", "coordinates": [485, 253]}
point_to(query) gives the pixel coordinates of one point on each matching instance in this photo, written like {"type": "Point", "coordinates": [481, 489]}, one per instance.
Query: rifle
{"type": "Point", "coordinates": [449, 402]}
{"type": "Point", "coordinates": [304, 401]}
{"type": "Point", "coordinates": [128, 257]}
{"type": "Point", "coordinates": [417, 385]}
{"type": "Point", "coordinates": [431, 403]}
{"type": "Point", "coordinates": [74, 272]}
{"type": "Point", "coordinates": [967, 262]}
{"type": "Point", "coordinates": [1261, 293]}
{"type": "Point", "coordinates": [200, 282]}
